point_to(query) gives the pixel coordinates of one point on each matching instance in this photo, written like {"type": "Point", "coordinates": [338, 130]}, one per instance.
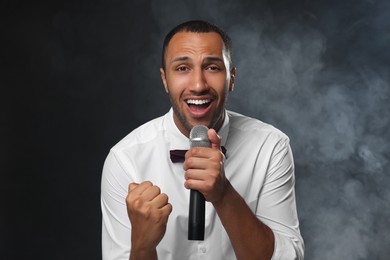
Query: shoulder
{"type": "Point", "coordinates": [144, 134]}
{"type": "Point", "coordinates": [134, 149]}
{"type": "Point", "coordinates": [254, 129]}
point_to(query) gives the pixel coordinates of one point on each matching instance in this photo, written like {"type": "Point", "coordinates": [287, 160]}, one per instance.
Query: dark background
{"type": "Point", "coordinates": [77, 76]}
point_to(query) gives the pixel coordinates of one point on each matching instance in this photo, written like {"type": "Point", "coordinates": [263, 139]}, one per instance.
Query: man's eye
{"type": "Point", "coordinates": [213, 68]}
{"type": "Point", "coordinates": [182, 68]}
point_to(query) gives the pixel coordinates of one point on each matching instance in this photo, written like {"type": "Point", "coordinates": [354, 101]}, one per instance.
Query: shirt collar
{"type": "Point", "coordinates": [177, 140]}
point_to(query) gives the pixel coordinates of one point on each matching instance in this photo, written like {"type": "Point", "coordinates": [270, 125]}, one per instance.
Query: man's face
{"type": "Point", "coordinates": [197, 78]}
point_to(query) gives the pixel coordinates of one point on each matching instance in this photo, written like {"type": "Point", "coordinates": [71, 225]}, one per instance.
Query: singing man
{"type": "Point", "coordinates": [249, 190]}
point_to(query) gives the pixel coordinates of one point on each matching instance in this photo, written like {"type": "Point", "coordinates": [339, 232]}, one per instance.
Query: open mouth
{"type": "Point", "coordinates": [198, 103]}
{"type": "Point", "coordinates": [198, 106]}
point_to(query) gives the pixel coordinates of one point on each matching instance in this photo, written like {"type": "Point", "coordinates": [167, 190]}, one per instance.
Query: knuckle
{"type": "Point", "coordinates": [156, 189]}
{"type": "Point", "coordinates": [136, 203]}
{"type": "Point", "coordinates": [147, 211]}
{"type": "Point", "coordinates": [188, 184]}
{"type": "Point", "coordinates": [187, 175]}
{"type": "Point", "coordinates": [148, 183]}
{"type": "Point", "coordinates": [170, 208]}
{"type": "Point", "coordinates": [165, 197]}
{"type": "Point", "coordinates": [189, 162]}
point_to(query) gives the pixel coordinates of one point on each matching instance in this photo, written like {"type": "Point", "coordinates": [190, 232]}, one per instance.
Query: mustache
{"type": "Point", "coordinates": [207, 93]}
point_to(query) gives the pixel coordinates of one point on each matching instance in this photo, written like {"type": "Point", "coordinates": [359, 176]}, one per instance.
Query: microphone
{"type": "Point", "coordinates": [196, 218]}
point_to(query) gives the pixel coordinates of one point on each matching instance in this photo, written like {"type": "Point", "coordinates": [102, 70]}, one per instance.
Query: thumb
{"type": "Point", "coordinates": [214, 139]}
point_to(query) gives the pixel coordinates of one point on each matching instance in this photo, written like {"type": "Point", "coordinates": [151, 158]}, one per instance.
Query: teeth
{"type": "Point", "coordinates": [197, 101]}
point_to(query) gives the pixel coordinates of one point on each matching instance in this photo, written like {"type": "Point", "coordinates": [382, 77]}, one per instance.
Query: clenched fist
{"type": "Point", "coordinates": [148, 211]}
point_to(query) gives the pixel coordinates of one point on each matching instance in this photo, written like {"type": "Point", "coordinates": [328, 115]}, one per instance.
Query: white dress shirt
{"type": "Point", "coordinates": [259, 165]}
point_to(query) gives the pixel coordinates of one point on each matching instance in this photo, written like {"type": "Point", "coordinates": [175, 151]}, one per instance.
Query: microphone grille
{"type": "Point", "coordinates": [199, 137]}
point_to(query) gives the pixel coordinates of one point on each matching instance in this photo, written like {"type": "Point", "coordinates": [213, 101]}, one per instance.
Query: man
{"type": "Point", "coordinates": [250, 208]}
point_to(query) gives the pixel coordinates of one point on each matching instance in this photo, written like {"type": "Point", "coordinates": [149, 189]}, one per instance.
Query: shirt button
{"type": "Point", "coordinates": [203, 250]}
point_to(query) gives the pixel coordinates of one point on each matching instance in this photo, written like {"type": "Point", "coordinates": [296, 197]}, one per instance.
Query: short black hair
{"type": "Point", "coordinates": [198, 26]}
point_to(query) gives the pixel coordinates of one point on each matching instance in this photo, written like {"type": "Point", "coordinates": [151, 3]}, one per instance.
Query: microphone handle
{"type": "Point", "coordinates": [196, 220]}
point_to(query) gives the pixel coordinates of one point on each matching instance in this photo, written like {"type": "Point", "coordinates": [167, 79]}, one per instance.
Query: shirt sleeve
{"type": "Point", "coordinates": [116, 227]}
{"type": "Point", "coordinates": [277, 207]}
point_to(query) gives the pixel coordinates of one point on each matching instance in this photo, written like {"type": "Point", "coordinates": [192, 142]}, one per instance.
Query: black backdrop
{"type": "Point", "coordinates": [77, 76]}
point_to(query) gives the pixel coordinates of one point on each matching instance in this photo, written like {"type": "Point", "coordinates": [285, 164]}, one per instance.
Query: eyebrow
{"type": "Point", "coordinates": [207, 59]}
{"type": "Point", "coordinates": [215, 59]}
{"type": "Point", "coordinates": [180, 58]}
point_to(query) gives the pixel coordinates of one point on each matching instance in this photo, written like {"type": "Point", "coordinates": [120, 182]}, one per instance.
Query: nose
{"type": "Point", "coordinates": [199, 83]}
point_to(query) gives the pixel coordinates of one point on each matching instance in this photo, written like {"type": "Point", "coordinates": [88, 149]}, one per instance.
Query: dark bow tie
{"type": "Point", "coordinates": [179, 155]}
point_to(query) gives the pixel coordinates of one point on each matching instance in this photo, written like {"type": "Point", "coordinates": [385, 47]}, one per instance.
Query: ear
{"type": "Point", "coordinates": [164, 79]}
{"type": "Point", "coordinates": [232, 78]}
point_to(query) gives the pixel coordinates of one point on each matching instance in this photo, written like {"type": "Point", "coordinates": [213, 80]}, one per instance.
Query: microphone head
{"type": "Point", "coordinates": [199, 137]}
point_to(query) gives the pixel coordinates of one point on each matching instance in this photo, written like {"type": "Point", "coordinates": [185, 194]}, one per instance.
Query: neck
{"type": "Point", "coordinates": [185, 128]}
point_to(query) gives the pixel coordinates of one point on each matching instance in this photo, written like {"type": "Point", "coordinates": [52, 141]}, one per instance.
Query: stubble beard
{"type": "Point", "coordinates": [183, 120]}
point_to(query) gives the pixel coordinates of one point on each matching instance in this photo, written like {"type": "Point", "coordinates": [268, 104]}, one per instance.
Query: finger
{"type": "Point", "coordinates": [150, 193]}
{"type": "Point", "coordinates": [195, 174]}
{"type": "Point", "coordinates": [202, 152]}
{"type": "Point", "coordinates": [166, 210]}
{"type": "Point", "coordinates": [194, 184]}
{"type": "Point", "coordinates": [137, 189]}
{"type": "Point", "coordinates": [212, 161]}
{"type": "Point", "coordinates": [214, 138]}
{"type": "Point", "coordinates": [195, 163]}
{"type": "Point", "coordinates": [160, 200]}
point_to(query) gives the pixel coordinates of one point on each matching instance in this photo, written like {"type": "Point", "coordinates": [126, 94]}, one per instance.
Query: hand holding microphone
{"type": "Point", "coordinates": [204, 173]}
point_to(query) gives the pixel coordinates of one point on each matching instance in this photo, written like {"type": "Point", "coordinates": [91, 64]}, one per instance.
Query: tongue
{"type": "Point", "coordinates": [198, 107]}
